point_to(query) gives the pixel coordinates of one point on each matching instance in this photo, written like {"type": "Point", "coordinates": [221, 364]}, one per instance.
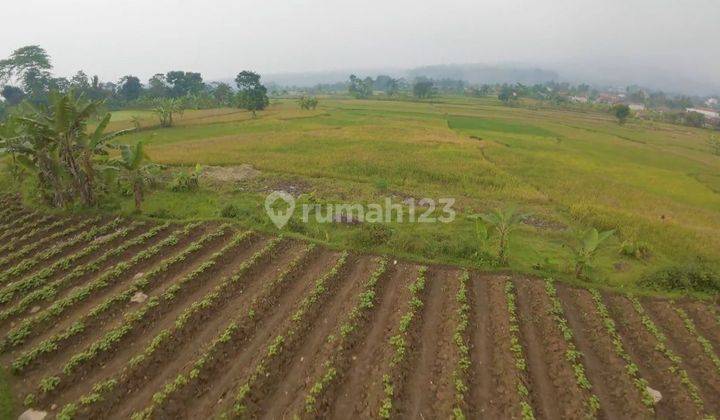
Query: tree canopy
{"type": "Point", "coordinates": [252, 95]}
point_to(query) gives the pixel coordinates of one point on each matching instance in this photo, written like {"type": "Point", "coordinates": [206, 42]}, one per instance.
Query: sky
{"type": "Point", "coordinates": [630, 39]}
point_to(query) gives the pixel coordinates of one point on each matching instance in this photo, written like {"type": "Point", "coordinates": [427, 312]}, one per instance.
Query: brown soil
{"type": "Point", "coordinates": [706, 321]}
{"type": "Point", "coordinates": [493, 381]}
{"type": "Point", "coordinates": [215, 390]}
{"type": "Point", "coordinates": [554, 389]}
{"type": "Point", "coordinates": [619, 398]}
{"type": "Point", "coordinates": [653, 365]}
{"type": "Point", "coordinates": [159, 318]}
{"type": "Point", "coordinates": [361, 393]}
{"type": "Point", "coordinates": [283, 395]}
{"type": "Point", "coordinates": [701, 369]}
{"type": "Point", "coordinates": [429, 390]}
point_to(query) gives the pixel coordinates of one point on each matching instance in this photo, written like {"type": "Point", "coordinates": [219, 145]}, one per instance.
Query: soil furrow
{"type": "Point", "coordinates": [653, 365]}
{"type": "Point", "coordinates": [216, 390]}
{"type": "Point", "coordinates": [484, 345]}
{"type": "Point", "coordinates": [161, 317]}
{"type": "Point", "coordinates": [605, 369]}
{"type": "Point", "coordinates": [74, 311]}
{"type": "Point", "coordinates": [238, 307]}
{"type": "Point", "coordinates": [555, 393]}
{"type": "Point", "coordinates": [81, 257]}
{"type": "Point", "coordinates": [65, 246]}
{"type": "Point", "coordinates": [706, 322]}
{"type": "Point", "coordinates": [701, 369]}
{"type": "Point", "coordinates": [360, 394]}
{"type": "Point", "coordinates": [428, 390]}
{"type": "Point", "coordinates": [284, 396]}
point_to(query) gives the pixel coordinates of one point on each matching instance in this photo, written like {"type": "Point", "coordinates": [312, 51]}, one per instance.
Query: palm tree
{"type": "Point", "coordinates": [503, 221]}
{"type": "Point", "coordinates": [136, 169]}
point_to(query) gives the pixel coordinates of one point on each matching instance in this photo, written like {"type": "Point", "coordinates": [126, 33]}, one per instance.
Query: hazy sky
{"type": "Point", "coordinates": [220, 37]}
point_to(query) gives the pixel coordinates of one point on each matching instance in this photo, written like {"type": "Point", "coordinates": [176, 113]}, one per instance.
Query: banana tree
{"type": "Point", "coordinates": [503, 222]}
{"type": "Point", "coordinates": [135, 168]}
{"type": "Point", "coordinates": [166, 109]}
{"type": "Point", "coordinates": [585, 253]}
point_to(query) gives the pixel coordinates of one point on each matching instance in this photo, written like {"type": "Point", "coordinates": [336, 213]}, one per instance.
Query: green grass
{"type": "Point", "coordinates": [6, 397]}
{"type": "Point", "coordinates": [649, 181]}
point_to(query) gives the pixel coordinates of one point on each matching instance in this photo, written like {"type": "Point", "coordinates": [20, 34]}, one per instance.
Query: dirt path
{"type": "Point", "coordinates": [361, 393]}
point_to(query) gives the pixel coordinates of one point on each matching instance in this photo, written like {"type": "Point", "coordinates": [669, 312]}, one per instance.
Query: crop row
{"type": "Point", "coordinates": [516, 348]}
{"type": "Point", "coordinates": [572, 354]}
{"type": "Point", "coordinates": [182, 379]}
{"type": "Point", "coordinates": [706, 345]}
{"type": "Point", "coordinates": [56, 249]}
{"type": "Point", "coordinates": [400, 342]}
{"type": "Point", "coordinates": [39, 278]}
{"type": "Point", "coordinates": [631, 369]}
{"type": "Point", "coordinates": [207, 303]}
{"type": "Point", "coordinates": [18, 237]}
{"type": "Point", "coordinates": [17, 225]}
{"type": "Point", "coordinates": [347, 332]}
{"type": "Point", "coordinates": [674, 359]}
{"type": "Point", "coordinates": [460, 373]}
{"type": "Point", "coordinates": [110, 339]}
{"type": "Point", "coordinates": [39, 230]}
{"type": "Point", "coordinates": [51, 344]}
{"type": "Point", "coordinates": [16, 336]}
{"type": "Point", "coordinates": [284, 341]}
{"type": "Point", "coordinates": [50, 290]}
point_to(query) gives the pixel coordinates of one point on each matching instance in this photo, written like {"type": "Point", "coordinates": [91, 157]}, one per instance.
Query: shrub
{"type": "Point", "coordinates": [229, 211]}
{"type": "Point", "coordinates": [697, 276]}
{"type": "Point", "coordinates": [636, 249]}
{"type": "Point", "coordinates": [371, 234]}
{"type": "Point", "coordinates": [183, 181]}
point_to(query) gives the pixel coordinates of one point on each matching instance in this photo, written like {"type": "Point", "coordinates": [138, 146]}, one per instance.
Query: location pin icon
{"type": "Point", "coordinates": [279, 218]}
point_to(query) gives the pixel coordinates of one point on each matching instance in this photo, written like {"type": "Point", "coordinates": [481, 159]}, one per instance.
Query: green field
{"type": "Point", "coordinates": [651, 182]}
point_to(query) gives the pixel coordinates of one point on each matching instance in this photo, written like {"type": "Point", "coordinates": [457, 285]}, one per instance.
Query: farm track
{"type": "Point", "coordinates": [239, 324]}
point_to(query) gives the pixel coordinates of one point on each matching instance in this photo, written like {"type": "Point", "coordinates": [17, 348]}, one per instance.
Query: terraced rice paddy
{"type": "Point", "coordinates": [119, 318]}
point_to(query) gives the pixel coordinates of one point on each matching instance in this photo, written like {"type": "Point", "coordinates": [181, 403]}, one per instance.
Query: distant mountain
{"type": "Point", "coordinates": [480, 73]}
{"type": "Point", "coordinates": [471, 73]}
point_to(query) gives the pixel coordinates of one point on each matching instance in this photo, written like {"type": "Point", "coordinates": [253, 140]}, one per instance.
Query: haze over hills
{"type": "Point", "coordinates": [618, 75]}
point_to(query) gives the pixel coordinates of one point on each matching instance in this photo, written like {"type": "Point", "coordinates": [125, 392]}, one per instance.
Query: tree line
{"type": "Point", "coordinates": [26, 75]}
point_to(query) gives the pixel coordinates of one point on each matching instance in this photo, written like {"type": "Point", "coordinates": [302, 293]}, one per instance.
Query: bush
{"type": "Point", "coordinates": [697, 276]}
{"type": "Point", "coordinates": [183, 182]}
{"type": "Point", "coordinates": [372, 234]}
{"type": "Point", "coordinates": [636, 249]}
{"type": "Point", "coordinates": [229, 211]}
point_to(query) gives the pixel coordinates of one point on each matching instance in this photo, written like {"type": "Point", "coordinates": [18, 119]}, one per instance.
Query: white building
{"type": "Point", "coordinates": [711, 102]}
{"type": "Point", "coordinates": [636, 107]}
{"type": "Point", "coordinates": [708, 113]}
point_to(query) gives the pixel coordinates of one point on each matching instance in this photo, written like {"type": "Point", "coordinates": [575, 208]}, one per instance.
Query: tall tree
{"type": "Point", "coordinates": [23, 60]}
{"type": "Point", "coordinates": [424, 89]}
{"type": "Point", "coordinates": [360, 88]}
{"type": "Point", "coordinates": [252, 95]}
{"type": "Point", "coordinates": [222, 92]}
{"type": "Point", "coordinates": [157, 86]}
{"type": "Point", "coordinates": [130, 88]}
{"type": "Point", "coordinates": [184, 83]}
{"type": "Point", "coordinates": [13, 95]}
